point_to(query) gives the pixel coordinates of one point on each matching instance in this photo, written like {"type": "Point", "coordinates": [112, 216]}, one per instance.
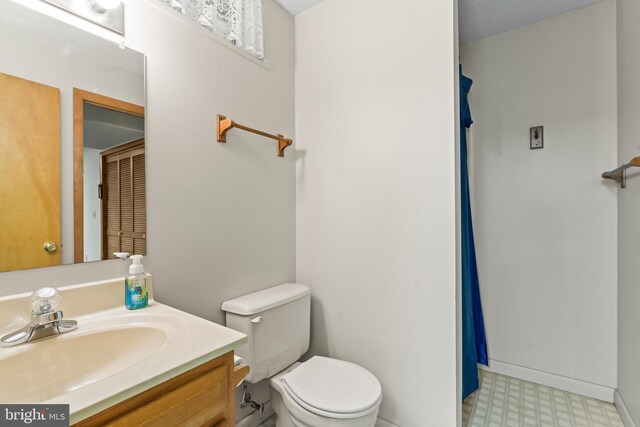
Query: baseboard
{"type": "Point", "coordinates": [572, 385]}
{"type": "Point", "coordinates": [255, 419]}
{"type": "Point", "coordinates": [385, 423]}
{"type": "Point", "coordinates": [625, 416]}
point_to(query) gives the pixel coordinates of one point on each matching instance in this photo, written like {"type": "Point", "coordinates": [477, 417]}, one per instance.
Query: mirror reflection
{"type": "Point", "coordinates": [114, 202]}
{"type": "Point", "coordinates": [72, 146]}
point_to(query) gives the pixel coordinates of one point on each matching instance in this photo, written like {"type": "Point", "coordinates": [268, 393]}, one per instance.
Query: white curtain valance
{"type": "Point", "coordinates": [238, 21]}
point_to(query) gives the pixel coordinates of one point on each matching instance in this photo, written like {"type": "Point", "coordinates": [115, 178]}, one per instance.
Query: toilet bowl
{"type": "Point", "coordinates": [321, 392]}
{"type": "Point", "coordinates": [325, 392]}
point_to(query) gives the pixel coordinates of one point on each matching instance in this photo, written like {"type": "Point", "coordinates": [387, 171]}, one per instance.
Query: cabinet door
{"type": "Point", "coordinates": [124, 200]}
{"type": "Point", "coordinates": [202, 396]}
{"type": "Point", "coordinates": [196, 403]}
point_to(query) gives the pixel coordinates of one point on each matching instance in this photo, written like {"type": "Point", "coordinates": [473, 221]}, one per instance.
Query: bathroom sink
{"type": "Point", "coordinates": [67, 363]}
{"type": "Point", "coordinates": [113, 354]}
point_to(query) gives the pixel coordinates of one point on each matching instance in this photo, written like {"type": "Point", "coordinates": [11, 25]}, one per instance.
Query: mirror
{"type": "Point", "coordinates": [72, 146]}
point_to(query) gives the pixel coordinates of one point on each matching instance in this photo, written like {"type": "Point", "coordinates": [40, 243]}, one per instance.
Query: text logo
{"type": "Point", "coordinates": [34, 415]}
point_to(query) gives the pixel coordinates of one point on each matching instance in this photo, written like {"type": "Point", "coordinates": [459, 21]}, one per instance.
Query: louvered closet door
{"type": "Point", "coordinates": [124, 202]}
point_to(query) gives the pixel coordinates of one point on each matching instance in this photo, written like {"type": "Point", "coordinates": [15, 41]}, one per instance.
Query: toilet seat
{"type": "Point", "coordinates": [333, 388]}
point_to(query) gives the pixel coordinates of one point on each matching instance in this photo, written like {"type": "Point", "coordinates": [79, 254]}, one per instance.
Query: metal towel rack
{"type": "Point", "coordinates": [224, 125]}
{"type": "Point", "coordinates": [619, 174]}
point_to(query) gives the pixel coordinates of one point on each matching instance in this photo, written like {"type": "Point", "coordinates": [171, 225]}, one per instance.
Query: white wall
{"type": "Point", "coordinates": [221, 216]}
{"type": "Point", "coordinates": [92, 207]}
{"type": "Point", "coordinates": [45, 61]}
{"type": "Point", "coordinates": [629, 210]}
{"type": "Point", "coordinates": [545, 223]}
{"type": "Point", "coordinates": [376, 196]}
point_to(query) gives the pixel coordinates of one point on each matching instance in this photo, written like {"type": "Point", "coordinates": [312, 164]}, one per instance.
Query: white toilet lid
{"type": "Point", "coordinates": [333, 386]}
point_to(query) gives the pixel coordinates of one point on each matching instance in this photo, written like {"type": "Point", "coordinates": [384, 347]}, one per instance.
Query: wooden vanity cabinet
{"type": "Point", "coordinates": [202, 396]}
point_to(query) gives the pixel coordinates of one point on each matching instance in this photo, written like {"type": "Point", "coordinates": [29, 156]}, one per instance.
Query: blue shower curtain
{"type": "Point", "coordinates": [474, 344]}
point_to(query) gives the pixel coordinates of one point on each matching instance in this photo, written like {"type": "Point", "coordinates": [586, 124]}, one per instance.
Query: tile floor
{"type": "Point", "coordinates": [503, 401]}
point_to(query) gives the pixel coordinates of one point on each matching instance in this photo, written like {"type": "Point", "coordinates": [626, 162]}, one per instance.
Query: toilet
{"type": "Point", "coordinates": [321, 392]}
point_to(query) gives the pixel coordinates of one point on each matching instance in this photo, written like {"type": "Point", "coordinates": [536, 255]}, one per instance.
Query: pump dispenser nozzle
{"type": "Point", "coordinates": [122, 255]}
{"type": "Point", "coordinates": [136, 265]}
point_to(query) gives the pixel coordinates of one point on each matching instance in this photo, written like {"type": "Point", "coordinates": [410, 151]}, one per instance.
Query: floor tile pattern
{"type": "Point", "coordinates": [503, 401]}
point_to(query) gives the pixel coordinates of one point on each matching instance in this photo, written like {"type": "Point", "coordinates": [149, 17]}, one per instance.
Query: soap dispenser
{"type": "Point", "coordinates": [135, 285]}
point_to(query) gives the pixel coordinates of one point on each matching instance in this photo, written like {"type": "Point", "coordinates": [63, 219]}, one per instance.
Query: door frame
{"type": "Point", "coordinates": [80, 97]}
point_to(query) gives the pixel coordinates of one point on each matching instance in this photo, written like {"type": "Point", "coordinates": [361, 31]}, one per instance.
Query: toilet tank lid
{"type": "Point", "coordinates": [258, 302]}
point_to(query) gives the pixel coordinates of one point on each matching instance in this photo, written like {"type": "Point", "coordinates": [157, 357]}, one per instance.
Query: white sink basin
{"type": "Point", "coordinates": [114, 353]}
{"type": "Point", "coordinates": [69, 362]}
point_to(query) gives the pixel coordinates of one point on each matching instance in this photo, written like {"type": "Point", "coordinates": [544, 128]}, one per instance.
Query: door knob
{"type": "Point", "coordinates": [50, 247]}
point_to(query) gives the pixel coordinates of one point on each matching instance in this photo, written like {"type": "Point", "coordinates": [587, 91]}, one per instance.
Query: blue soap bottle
{"type": "Point", "coordinates": [135, 285]}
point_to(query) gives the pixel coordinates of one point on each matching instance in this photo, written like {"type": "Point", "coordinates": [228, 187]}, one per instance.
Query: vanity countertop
{"type": "Point", "coordinates": [113, 355]}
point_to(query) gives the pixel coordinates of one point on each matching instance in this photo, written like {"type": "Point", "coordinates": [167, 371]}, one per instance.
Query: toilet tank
{"type": "Point", "coordinates": [277, 322]}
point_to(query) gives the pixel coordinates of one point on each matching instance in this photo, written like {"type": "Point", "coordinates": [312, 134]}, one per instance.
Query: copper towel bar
{"type": "Point", "coordinates": [224, 125]}
{"type": "Point", "coordinates": [619, 174]}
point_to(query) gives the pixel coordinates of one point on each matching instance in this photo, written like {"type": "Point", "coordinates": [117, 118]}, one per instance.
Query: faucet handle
{"type": "Point", "coordinates": [44, 300]}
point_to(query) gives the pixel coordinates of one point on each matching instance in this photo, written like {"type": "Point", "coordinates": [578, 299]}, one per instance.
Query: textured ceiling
{"type": "Point", "coordinates": [294, 7]}
{"type": "Point", "coordinates": [484, 18]}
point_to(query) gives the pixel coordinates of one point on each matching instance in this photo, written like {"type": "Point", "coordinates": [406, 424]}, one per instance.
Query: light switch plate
{"type": "Point", "coordinates": [536, 135]}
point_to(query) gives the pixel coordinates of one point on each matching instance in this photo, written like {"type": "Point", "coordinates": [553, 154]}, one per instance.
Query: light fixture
{"type": "Point", "coordinates": [106, 13]}
{"type": "Point", "coordinates": [101, 6]}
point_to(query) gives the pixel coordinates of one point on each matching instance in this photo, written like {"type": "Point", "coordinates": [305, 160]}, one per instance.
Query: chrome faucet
{"type": "Point", "coordinates": [46, 319]}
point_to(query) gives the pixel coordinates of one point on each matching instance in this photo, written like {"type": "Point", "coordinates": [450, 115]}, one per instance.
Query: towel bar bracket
{"type": "Point", "coordinates": [620, 177]}
{"type": "Point", "coordinates": [619, 174]}
{"type": "Point", "coordinates": [224, 125]}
